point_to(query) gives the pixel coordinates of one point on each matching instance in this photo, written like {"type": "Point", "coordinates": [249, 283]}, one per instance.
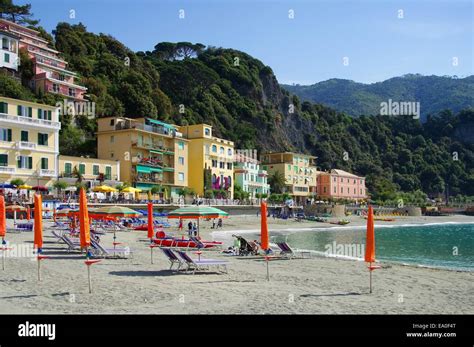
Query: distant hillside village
{"type": "Point", "coordinates": [144, 153]}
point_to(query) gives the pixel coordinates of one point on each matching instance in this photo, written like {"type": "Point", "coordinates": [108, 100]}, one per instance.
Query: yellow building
{"type": "Point", "coordinates": [211, 161]}
{"type": "Point", "coordinates": [29, 142]}
{"type": "Point", "coordinates": [94, 171]}
{"type": "Point", "coordinates": [299, 170]}
{"type": "Point", "coordinates": [150, 152]}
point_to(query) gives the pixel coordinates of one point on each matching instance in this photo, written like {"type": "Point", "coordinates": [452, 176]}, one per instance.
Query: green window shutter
{"type": "Point", "coordinates": [3, 159]}
{"type": "Point", "coordinates": [49, 115]}
{"type": "Point", "coordinates": [9, 135]}
{"type": "Point", "coordinates": [40, 139]}
{"type": "Point", "coordinates": [95, 169]}
{"type": "Point", "coordinates": [24, 135]}
{"type": "Point", "coordinates": [44, 163]}
{"type": "Point", "coordinates": [7, 58]}
{"type": "Point", "coordinates": [30, 112]}
{"type": "Point", "coordinates": [30, 162]}
{"type": "Point", "coordinates": [40, 113]}
{"type": "Point", "coordinates": [82, 168]}
{"type": "Point", "coordinates": [19, 162]}
{"type": "Point", "coordinates": [3, 107]}
{"type": "Point", "coordinates": [108, 172]}
{"type": "Point", "coordinates": [18, 109]}
{"type": "Point", "coordinates": [68, 168]}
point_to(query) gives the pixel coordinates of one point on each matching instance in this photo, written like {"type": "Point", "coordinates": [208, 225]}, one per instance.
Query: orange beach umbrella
{"type": "Point", "coordinates": [28, 213]}
{"type": "Point", "coordinates": [38, 227]}
{"type": "Point", "coordinates": [3, 217]}
{"type": "Point", "coordinates": [370, 244]}
{"type": "Point", "coordinates": [264, 227]}
{"type": "Point", "coordinates": [84, 232]}
{"type": "Point", "coordinates": [150, 220]}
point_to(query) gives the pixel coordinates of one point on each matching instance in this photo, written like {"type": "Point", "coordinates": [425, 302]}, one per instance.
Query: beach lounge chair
{"type": "Point", "coordinates": [287, 251]}
{"type": "Point", "coordinates": [72, 244]}
{"type": "Point", "coordinates": [173, 259]}
{"type": "Point", "coordinates": [202, 264]}
{"type": "Point", "coordinates": [99, 251]}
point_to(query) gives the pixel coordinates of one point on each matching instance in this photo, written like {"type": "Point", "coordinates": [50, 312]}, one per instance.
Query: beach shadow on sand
{"type": "Point", "coordinates": [329, 294]}
{"type": "Point", "coordinates": [26, 296]}
{"type": "Point", "coordinates": [143, 273]}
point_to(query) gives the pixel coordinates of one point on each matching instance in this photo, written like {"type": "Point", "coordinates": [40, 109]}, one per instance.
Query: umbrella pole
{"type": "Point", "coordinates": [3, 255]}
{"type": "Point", "coordinates": [268, 270]}
{"type": "Point", "coordinates": [39, 269]}
{"type": "Point", "coordinates": [370, 278]}
{"type": "Point", "coordinates": [151, 251]}
{"type": "Point", "coordinates": [89, 278]}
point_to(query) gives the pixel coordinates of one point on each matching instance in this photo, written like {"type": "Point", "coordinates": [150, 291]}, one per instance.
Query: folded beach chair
{"type": "Point", "coordinates": [99, 251]}
{"type": "Point", "coordinates": [285, 250]}
{"type": "Point", "coordinates": [173, 259]}
{"type": "Point", "coordinates": [72, 244]}
{"type": "Point", "coordinates": [202, 264]}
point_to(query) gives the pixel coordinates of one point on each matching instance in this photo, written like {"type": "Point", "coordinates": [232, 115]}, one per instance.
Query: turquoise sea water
{"type": "Point", "coordinates": [439, 245]}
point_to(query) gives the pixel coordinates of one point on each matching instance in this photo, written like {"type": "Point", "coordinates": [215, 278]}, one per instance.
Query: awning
{"type": "Point", "coordinates": [155, 151]}
{"type": "Point", "coordinates": [143, 169]}
{"type": "Point", "coordinates": [157, 122]}
{"type": "Point", "coordinates": [154, 169]}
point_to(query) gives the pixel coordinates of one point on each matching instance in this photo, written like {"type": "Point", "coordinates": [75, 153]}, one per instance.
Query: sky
{"type": "Point", "coordinates": [304, 42]}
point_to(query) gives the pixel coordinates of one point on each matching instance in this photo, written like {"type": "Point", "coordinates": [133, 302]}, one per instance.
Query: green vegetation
{"type": "Point", "coordinates": [186, 83]}
{"type": "Point", "coordinates": [435, 93]}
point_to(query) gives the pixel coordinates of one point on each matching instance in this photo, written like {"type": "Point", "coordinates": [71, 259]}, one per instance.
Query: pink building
{"type": "Point", "coordinates": [51, 74]}
{"type": "Point", "coordinates": [339, 184]}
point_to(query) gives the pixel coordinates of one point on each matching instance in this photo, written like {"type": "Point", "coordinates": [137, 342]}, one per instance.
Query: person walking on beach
{"type": "Point", "coordinates": [180, 226]}
{"type": "Point", "coordinates": [195, 229]}
{"type": "Point", "coordinates": [213, 224]}
{"type": "Point", "coordinates": [190, 228]}
{"type": "Point", "coordinates": [219, 223]}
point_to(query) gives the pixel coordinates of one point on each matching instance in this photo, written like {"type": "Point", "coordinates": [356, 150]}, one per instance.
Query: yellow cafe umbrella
{"type": "Point", "coordinates": [25, 186]}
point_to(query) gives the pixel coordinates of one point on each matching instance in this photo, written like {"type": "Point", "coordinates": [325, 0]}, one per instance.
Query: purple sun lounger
{"type": "Point", "coordinates": [201, 264]}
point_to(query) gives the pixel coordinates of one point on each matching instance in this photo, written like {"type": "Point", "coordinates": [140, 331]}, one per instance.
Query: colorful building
{"type": "Point", "coordinates": [211, 161]}
{"type": "Point", "coordinates": [9, 49]}
{"type": "Point", "coordinates": [50, 71]}
{"type": "Point", "coordinates": [339, 184]}
{"type": "Point", "coordinates": [150, 152]}
{"type": "Point", "coordinates": [94, 171]}
{"type": "Point", "coordinates": [299, 171]}
{"type": "Point", "coordinates": [249, 175]}
{"type": "Point", "coordinates": [29, 142]}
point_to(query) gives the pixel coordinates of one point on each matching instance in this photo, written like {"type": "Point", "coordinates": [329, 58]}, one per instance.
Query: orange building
{"type": "Point", "coordinates": [339, 184]}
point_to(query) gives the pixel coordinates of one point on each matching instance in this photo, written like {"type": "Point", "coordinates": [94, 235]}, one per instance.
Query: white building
{"type": "Point", "coordinates": [9, 50]}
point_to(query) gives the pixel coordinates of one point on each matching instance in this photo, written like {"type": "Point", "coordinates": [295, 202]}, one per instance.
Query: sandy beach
{"type": "Point", "coordinates": [298, 286]}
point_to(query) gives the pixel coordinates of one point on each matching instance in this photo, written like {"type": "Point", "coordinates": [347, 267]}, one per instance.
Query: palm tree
{"type": "Point", "coordinates": [277, 182]}
{"type": "Point", "coordinates": [17, 182]}
{"type": "Point", "coordinates": [79, 176]}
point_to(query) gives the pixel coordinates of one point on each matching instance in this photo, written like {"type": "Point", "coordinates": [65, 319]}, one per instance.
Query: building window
{"type": "Point", "coordinates": [42, 139]}
{"type": "Point", "coordinates": [207, 131]}
{"type": "Point", "coordinates": [334, 179]}
{"type": "Point", "coordinates": [67, 168]}
{"type": "Point", "coordinates": [112, 122]}
{"type": "Point", "coordinates": [5, 44]}
{"type": "Point", "coordinates": [108, 172]}
{"type": "Point", "coordinates": [3, 107]}
{"type": "Point", "coordinates": [6, 57]}
{"type": "Point", "coordinates": [82, 169]}
{"type": "Point", "coordinates": [214, 163]}
{"type": "Point", "coordinates": [181, 160]}
{"type": "Point", "coordinates": [335, 190]}
{"type": "Point", "coordinates": [5, 134]}
{"type": "Point", "coordinates": [180, 145]}
{"type": "Point", "coordinates": [44, 163]}
{"type": "Point", "coordinates": [55, 88]}
{"type": "Point", "coordinates": [214, 148]}
{"type": "Point", "coordinates": [40, 113]}
{"type": "Point", "coordinates": [24, 111]}
{"type": "Point", "coordinates": [112, 139]}
{"type": "Point", "coordinates": [229, 166]}
{"type": "Point", "coordinates": [221, 150]}
{"type": "Point", "coordinates": [111, 154]}
{"type": "Point", "coordinates": [25, 162]}
{"type": "Point", "coordinates": [355, 191]}
{"type": "Point", "coordinates": [3, 159]}
{"type": "Point", "coordinates": [229, 152]}
{"type": "Point", "coordinates": [95, 170]}
{"type": "Point", "coordinates": [72, 92]}
{"type": "Point", "coordinates": [324, 189]}
{"type": "Point", "coordinates": [221, 165]}
{"type": "Point", "coordinates": [342, 190]}
{"type": "Point", "coordinates": [181, 176]}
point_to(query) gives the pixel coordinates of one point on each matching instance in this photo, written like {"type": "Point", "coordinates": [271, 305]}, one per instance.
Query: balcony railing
{"type": "Point", "coordinates": [26, 145]}
{"type": "Point", "coordinates": [31, 121]}
{"type": "Point", "coordinates": [154, 129]}
{"type": "Point", "coordinates": [47, 173]}
{"type": "Point", "coordinates": [7, 169]}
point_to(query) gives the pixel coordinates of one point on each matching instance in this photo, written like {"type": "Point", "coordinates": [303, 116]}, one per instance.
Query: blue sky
{"type": "Point", "coordinates": [306, 49]}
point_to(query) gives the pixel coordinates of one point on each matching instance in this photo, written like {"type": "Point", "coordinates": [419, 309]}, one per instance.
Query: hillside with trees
{"type": "Point", "coordinates": [187, 83]}
{"type": "Point", "coordinates": [434, 93]}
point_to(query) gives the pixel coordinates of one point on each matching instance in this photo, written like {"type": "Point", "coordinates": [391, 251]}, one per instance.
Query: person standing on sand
{"type": "Point", "coordinates": [213, 224]}
{"type": "Point", "coordinates": [180, 225]}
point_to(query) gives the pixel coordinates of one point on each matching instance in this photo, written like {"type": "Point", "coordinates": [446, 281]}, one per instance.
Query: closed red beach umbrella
{"type": "Point", "coordinates": [38, 227]}
{"type": "Point", "coordinates": [84, 231]}
{"type": "Point", "coordinates": [150, 220]}
{"type": "Point", "coordinates": [264, 227]}
{"type": "Point", "coordinates": [3, 217]}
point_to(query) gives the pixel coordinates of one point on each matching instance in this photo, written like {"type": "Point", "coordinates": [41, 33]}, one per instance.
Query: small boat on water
{"type": "Point", "coordinates": [341, 222]}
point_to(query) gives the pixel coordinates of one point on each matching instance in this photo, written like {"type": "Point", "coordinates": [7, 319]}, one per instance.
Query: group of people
{"type": "Point", "coordinates": [193, 229]}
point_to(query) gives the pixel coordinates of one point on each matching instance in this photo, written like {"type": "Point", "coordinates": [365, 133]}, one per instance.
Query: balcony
{"type": "Point", "coordinates": [7, 170]}
{"type": "Point", "coordinates": [26, 145]}
{"type": "Point", "coordinates": [156, 129]}
{"type": "Point", "coordinates": [47, 173]}
{"type": "Point", "coordinates": [30, 121]}
{"type": "Point", "coordinates": [153, 147]}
